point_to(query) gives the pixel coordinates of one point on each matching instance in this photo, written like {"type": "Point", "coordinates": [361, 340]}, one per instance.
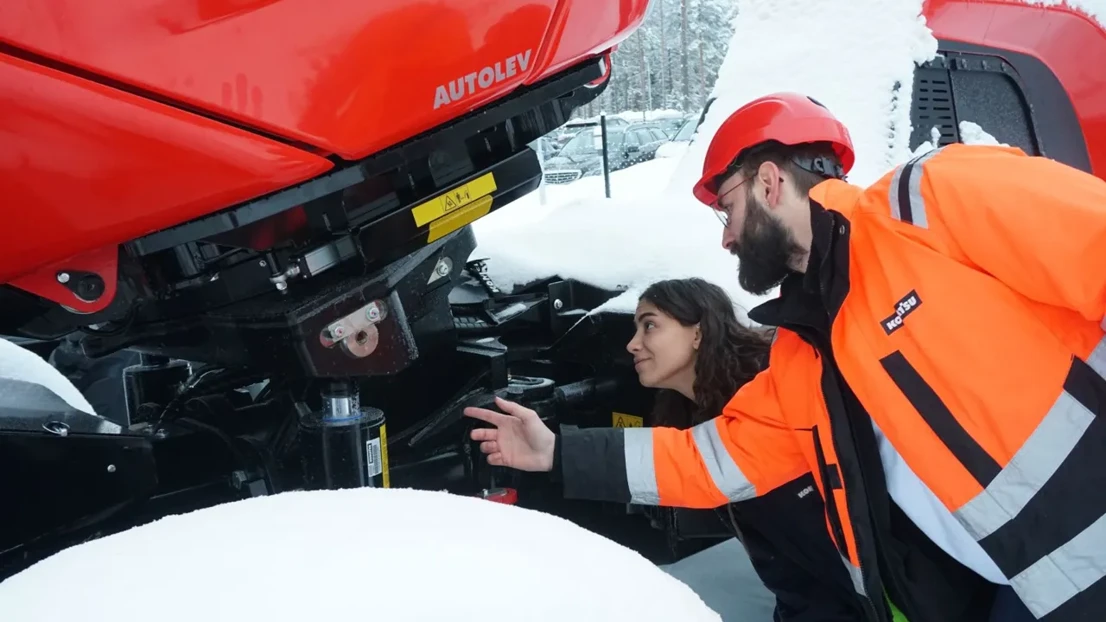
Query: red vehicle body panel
{"type": "Point", "coordinates": [118, 119]}
{"type": "Point", "coordinates": [84, 166]}
{"type": "Point", "coordinates": [349, 77]}
{"type": "Point", "coordinates": [1068, 42]}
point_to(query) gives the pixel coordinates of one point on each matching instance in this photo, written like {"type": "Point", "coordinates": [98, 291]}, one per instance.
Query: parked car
{"type": "Point", "coordinates": [677, 147]}
{"type": "Point", "coordinates": [569, 130]}
{"type": "Point", "coordinates": [583, 155]}
{"type": "Point", "coordinates": [671, 125]}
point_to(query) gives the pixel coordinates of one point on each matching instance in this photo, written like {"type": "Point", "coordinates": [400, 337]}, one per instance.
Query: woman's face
{"type": "Point", "coordinates": [664, 350]}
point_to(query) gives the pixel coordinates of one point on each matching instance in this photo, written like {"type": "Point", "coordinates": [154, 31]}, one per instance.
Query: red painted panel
{"type": "Point", "coordinates": [584, 28]}
{"type": "Point", "coordinates": [84, 166]}
{"type": "Point", "coordinates": [348, 76]}
{"type": "Point", "coordinates": [1071, 44]}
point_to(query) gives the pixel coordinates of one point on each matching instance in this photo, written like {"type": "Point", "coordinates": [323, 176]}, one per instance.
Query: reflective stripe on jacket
{"type": "Point", "coordinates": [970, 328]}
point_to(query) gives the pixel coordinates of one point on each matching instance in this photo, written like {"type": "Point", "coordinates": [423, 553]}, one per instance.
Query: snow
{"type": "Point", "coordinates": [635, 116]}
{"type": "Point", "coordinates": [848, 54]}
{"type": "Point", "coordinates": [970, 134]}
{"type": "Point", "coordinates": [19, 363]}
{"type": "Point", "coordinates": [1095, 9]}
{"type": "Point", "coordinates": [393, 555]}
{"type": "Point", "coordinates": [640, 235]}
{"type": "Point", "coordinates": [973, 134]}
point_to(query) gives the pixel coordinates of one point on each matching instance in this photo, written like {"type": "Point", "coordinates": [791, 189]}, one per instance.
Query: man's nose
{"type": "Point", "coordinates": [727, 238]}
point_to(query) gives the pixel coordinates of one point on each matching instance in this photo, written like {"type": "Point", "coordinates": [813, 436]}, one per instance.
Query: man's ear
{"type": "Point", "coordinates": [769, 176]}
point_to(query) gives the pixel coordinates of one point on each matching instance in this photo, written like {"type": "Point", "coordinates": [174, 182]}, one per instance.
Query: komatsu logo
{"type": "Point", "coordinates": [468, 85]}
{"type": "Point", "coordinates": [904, 308]}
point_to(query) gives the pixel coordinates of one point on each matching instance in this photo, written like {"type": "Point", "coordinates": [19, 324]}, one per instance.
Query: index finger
{"type": "Point", "coordinates": [487, 416]}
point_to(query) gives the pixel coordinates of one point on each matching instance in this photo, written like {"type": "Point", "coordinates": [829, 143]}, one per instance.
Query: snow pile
{"type": "Point", "coordinates": [19, 363]}
{"type": "Point", "coordinates": [974, 134]}
{"type": "Point", "coordinates": [637, 237]}
{"type": "Point", "coordinates": [970, 134]}
{"type": "Point", "coordinates": [392, 555]}
{"type": "Point", "coordinates": [848, 54]}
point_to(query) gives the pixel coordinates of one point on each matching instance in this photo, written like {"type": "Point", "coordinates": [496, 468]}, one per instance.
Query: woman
{"type": "Point", "coordinates": [690, 345]}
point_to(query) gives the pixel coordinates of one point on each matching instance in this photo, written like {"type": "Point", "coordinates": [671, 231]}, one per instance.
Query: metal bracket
{"type": "Point", "coordinates": [357, 332]}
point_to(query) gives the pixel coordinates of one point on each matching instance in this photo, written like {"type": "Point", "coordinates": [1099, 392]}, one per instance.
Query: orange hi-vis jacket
{"type": "Point", "coordinates": [964, 298]}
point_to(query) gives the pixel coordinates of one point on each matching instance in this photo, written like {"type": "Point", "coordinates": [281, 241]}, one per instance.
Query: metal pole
{"type": "Point", "coordinates": [606, 165]}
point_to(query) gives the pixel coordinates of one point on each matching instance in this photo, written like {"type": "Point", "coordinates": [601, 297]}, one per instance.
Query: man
{"type": "Point", "coordinates": [938, 365]}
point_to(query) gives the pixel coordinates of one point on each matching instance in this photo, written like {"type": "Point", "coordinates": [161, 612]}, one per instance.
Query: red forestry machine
{"type": "Point", "coordinates": [241, 229]}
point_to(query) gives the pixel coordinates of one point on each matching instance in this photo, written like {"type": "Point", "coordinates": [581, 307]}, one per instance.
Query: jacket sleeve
{"type": "Point", "coordinates": [746, 451]}
{"type": "Point", "coordinates": [1033, 223]}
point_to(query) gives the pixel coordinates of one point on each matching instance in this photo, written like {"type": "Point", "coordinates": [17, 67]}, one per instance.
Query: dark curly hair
{"type": "Point", "coordinates": [730, 354]}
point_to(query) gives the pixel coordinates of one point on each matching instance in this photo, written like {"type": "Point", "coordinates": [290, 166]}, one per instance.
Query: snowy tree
{"type": "Point", "coordinates": [672, 60]}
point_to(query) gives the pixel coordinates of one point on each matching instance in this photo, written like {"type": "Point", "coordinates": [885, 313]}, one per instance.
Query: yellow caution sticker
{"type": "Point", "coordinates": [452, 222]}
{"type": "Point", "coordinates": [622, 420]}
{"type": "Point", "coordinates": [384, 454]}
{"type": "Point", "coordinates": [455, 199]}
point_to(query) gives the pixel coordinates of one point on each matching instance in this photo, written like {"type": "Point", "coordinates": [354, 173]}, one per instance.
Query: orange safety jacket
{"type": "Point", "coordinates": [964, 311]}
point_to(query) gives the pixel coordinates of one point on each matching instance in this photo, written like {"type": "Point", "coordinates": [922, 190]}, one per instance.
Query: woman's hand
{"type": "Point", "coordinates": [519, 440]}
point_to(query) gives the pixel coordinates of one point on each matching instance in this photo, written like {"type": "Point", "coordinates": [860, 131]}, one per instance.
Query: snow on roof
{"type": "Point", "coordinates": [1095, 9]}
{"type": "Point", "coordinates": [848, 54]}
{"type": "Point", "coordinates": [394, 555]}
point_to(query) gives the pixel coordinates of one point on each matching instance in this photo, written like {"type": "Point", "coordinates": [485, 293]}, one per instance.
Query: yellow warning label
{"type": "Point", "coordinates": [384, 454]}
{"type": "Point", "coordinates": [622, 420]}
{"type": "Point", "coordinates": [453, 200]}
{"type": "Point", "coordinates": [444, 226]}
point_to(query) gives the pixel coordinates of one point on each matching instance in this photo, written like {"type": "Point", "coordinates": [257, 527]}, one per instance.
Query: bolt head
{"type": "Point", "coordinates": [111, 468]}
{"type": "Point", "coordinates": [558, 305]}
{"type": "Point", "coordinates": [281, 286]}
{"type": "Point", "coordinates": [63, 277]}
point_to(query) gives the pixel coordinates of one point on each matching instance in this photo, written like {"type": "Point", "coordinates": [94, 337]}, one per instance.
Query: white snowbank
{"type": "Point", "coordinates": [639, 236]}
{"type": "Point", "coordinates": [19, 363]}
{"type": "Point", "coordinates": [848, 54]}
{"type": "Point", "coordinates": [391, 555]}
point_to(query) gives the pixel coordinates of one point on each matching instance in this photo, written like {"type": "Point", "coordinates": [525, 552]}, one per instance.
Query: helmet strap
{"type": "Point", "coordinates": [820, 165]}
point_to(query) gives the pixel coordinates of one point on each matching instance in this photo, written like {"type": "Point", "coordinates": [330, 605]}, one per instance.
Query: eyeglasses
{"type": "Point", "coordinates": [725, 215]}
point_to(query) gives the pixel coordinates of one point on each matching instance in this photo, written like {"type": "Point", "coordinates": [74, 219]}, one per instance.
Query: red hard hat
{"type": "Point", "coordinates": [790, 118]}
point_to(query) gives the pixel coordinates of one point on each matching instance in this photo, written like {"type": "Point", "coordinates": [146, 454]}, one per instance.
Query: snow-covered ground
{"type": "Point", "coordinates": [387, 555]}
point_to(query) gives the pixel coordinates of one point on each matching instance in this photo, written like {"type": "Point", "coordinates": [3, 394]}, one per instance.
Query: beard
{"type": "Point", "coordinates": [764, 250]}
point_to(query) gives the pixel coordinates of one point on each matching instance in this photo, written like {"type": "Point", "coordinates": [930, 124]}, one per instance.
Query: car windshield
{"type": "Point", "coordinates": [686, 131]}
{"type": "Point", "coordinates": [585, 142]}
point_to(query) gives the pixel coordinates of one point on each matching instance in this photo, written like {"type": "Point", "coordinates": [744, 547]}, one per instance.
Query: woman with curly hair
{"type": "Point", "coordinates": [690, 346]}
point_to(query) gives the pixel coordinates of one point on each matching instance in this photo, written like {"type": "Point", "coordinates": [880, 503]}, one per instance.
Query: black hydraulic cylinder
{"type": "Point", "coordinates": [344, 452]}
{"type": "Point", "coordinates": [344, 445]}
